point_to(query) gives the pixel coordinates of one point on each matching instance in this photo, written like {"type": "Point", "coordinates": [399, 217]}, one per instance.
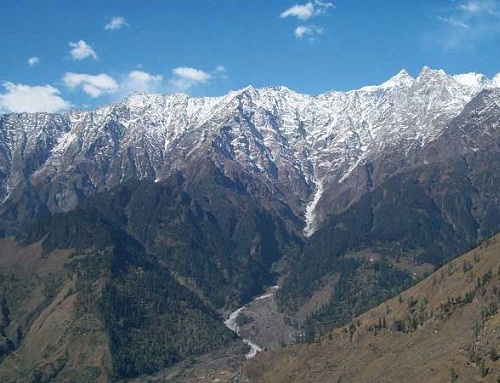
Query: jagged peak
{"type": "Point", "coordinates": [136, 100]}
{"type": "Point", "coordinates": [278, 88]}
{"type": "Point", "coordinates": [402, 79]}
{"type": "Point", "coordinates": [495, 81]}
{"type": "Point", "coordinates": [428, 72]}
{"type": "Point", "coordinates": [247, 92]}
{"type": "Point", "coordinates": [248, 89]}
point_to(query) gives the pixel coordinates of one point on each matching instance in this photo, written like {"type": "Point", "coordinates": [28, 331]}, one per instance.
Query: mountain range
{"type": "Point", "coordinates": [170, 210]}
{"type": "Point", "coordinates": [302, 147]}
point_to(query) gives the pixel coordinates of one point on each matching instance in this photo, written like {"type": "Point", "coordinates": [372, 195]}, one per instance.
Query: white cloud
{"type": "Point", "coordinates": [142, 81]}
{"type": "Point", "coordinates": [103, 84]}
{"type": "Point", "coordinates": [32, 61]}
{"type": "Point", "coordinates": [185, 77]}
{"type": "Point", "coordinates": [25, 98]}
{"type": "Point", "coordinates": [116, 23]}
{"type": "Point", "coordinates": [182, 79]}
{"type": "Point", "coordinates": [81, 50]}
{"type": "Point", "coordinates": [307, 30]}
{"type": "Point", "coordinates": [220, 71]}
{"type": "Point", "coordinates": [308, 10]}
{"type": "Point", "coordinates": [191, 74]}
{"type": "Point", "coordinates": [94, 85]}
{"type": "Point", "coordinates": [305, 12]}
{"type": "Point", "coordinates": [302, 12]}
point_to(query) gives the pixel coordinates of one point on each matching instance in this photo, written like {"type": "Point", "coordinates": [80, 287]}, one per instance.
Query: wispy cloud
{"type": "Point", "coordinates": [466, 22]}
{"type": "Point", "coordinates": [305, 12]}
{"type": "Point", "coordinates": [220, 71]}
{"type": "Point", "coordinates": [25, 98]}
{"type": "Point", "coordinates": [93, 85]}
{"type": "Point", "coordinates": [115, 23]}
{"type": "Point", "coordinates": [454, 22]}
{"type": "Point", "coordinates": [186, 77]}
{"type": "Point", "coordinates": [308, 10]}
{"type": "Point", "coordinates": [480, 6]}
{"type": "Point", "coordinates": [32, 61]}
{"type": "Point", "coordinates": [307, 30]}
{"type": "Point", "coordinates": [81, 50]}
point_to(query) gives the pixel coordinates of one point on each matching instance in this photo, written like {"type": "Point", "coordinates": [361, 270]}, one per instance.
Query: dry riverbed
{"type": "Point", "coordinates": [260, 324]}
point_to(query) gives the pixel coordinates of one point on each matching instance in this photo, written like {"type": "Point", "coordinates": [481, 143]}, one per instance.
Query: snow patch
{"type": "Point", "coordinates": [495, 82]}
{"type": "Point", "coordinates": [310, 216]}
{"type": "Point", "coordinates": [473, 80]}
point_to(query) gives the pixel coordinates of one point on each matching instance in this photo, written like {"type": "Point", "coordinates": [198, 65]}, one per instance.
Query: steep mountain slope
{"type": "Point", "coordinates": [445, 328]}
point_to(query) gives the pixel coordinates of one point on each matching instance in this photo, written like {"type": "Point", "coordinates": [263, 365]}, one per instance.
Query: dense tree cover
{"type": "Point", "coordinates": [219, 251]}
{"type": "Point", "coordinates": [154, 322]}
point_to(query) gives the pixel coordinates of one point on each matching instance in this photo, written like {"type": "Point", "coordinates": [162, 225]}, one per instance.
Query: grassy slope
{"type": "Point", "coordinates": [449, 335]}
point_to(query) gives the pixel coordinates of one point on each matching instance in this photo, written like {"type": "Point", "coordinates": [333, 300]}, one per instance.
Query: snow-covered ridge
{"type": "Point", "coordinates": [302, 144]}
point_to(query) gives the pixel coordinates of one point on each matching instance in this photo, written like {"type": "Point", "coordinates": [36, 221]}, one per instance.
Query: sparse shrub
{"type": "Point", "coordinates": [494, 354]}
{"type": "Point", "coordinates": [483, 369]}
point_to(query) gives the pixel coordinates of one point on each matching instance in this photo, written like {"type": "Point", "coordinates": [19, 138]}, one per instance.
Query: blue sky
{"type": "Point", "coordinates": [58, 54]}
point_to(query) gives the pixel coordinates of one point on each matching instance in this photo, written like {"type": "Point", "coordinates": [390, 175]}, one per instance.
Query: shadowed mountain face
{"type": "Point", "coordinates": [176, 209]}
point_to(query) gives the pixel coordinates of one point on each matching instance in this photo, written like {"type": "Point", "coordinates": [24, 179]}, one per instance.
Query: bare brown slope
{"type": "Point", "coordinates": [445, 328]}
{"type": "Point", "coordinates": [46, 339]}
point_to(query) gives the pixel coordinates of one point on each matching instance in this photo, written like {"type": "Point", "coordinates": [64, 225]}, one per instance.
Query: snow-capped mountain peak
{"type": "Point", "coordinates": [426, 73]}
{"type": "Point", "coordinates": [402, 79]}
{"type": "Point", "coordinates": [473, 80]}
{"type": "Point", "coordinates": [495, 81]}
